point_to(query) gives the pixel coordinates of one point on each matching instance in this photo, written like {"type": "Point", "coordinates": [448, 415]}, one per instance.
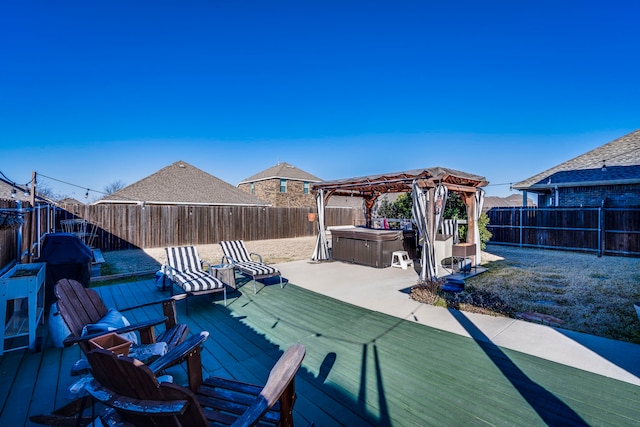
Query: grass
{"type": "Point", "coordinates": [575, 291]}
{"type": "Point", "coordinates": [108, 269]}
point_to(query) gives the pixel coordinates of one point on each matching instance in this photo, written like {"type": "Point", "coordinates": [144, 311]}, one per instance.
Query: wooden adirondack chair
{"type": "Point", "coordinates": [72, 413]}
{"type": "Point", "coordinates": [130, 388]}
{"type": "Point", "coordinates": [80, 306]}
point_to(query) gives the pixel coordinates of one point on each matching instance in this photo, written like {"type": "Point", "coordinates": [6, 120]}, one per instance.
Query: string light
{"type": "Point", "coordinates": [27, 191]}
{"type": "Point", "coordinates": [87, 190]}
{"type": "Point", "coordinates": [14, 190]}
{"type": "Point", "coordinates": [86, 194]}
{"type": "Point", "coordinates": [510, 184]}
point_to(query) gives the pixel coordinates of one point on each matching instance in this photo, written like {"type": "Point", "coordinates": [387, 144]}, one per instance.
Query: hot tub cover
{"type": "Point", "coordinates": [373, 234]}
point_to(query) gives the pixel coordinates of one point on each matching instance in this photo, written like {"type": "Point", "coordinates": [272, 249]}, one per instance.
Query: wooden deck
{"type": "Point", "coordinates": [362, 367]}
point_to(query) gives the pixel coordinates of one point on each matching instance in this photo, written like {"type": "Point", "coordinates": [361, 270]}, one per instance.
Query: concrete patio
{"type": "Point", "coordinates": [386, 290]}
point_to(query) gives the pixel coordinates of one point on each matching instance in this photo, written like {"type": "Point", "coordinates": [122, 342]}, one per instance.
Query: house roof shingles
{"type": "Point", "coordinates": [182, 183]}
{"type": "Point", "coordinates": [284, 171]}
{"type": "Point", "coordinates": [6, 187]}
{"type": "Point", "coordinates": [621, 158]}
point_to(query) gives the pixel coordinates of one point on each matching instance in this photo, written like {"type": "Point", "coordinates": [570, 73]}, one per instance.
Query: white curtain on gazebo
{"type": "Point", "coordinates": [321, 251]}
{"type": "Point", "coordinates": [476, 216]}
{"type": "Point", "coordinates": [439, 204]}
{"type": "Point", "coordinates": [419, 212]}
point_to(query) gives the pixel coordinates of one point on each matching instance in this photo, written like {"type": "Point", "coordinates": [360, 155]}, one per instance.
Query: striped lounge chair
{"type": "Point", "coordinates": [184, 268]}
{"type": "Point", "coordinates": [236, 253]}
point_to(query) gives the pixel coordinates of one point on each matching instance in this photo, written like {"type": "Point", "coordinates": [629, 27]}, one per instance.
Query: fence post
{"type": "Point", "coordinates": [19, 233]}
{"type": "Point", "coordinates": [520, 225]}
{"type": "Point", "coordinates": [600, 231]}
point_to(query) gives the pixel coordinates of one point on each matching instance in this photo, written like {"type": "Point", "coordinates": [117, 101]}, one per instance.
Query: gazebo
{"type": "Point", "coordinates": [429, 188]}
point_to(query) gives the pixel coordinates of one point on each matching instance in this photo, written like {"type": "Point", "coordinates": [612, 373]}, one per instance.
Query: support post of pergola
{"type": "Point", "coordinates": [470, 202]}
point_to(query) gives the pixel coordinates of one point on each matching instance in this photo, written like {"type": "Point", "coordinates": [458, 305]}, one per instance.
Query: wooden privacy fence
{"type": "Point", "coordinates": [135, 226]}
{"type": "Point", "coordinates": [8, 234]}
{"type": "Point", "coordinates": [20, 226]}
{"type": "Point", "coordinates": [604, 231]}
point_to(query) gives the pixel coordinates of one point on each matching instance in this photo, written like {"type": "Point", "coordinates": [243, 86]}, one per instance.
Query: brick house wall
{"type": "Point", "coordinates": [623, 195]}
{"type": "Point", "coordinates": [269, 191]}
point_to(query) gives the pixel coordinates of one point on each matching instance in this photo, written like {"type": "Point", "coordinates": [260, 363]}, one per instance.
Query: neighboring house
{"type": "Point", "coordinates": [608, 175]}
{"type": "Point", "coordinates": [69, 201]}
{"type": "Point", "coordinates": [513, 200]}
{"type": "Point", "coordinates": [282, 185]}
{"type": "Point", "coordinates": [12, 191]}
{"type": "Point", "coordinates": [182, 184]}
{"type": "Point", "coordinates": [70, 204]}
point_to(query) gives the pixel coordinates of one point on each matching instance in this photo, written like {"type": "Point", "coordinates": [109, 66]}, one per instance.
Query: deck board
{"type": "Point", "coordinates": [50, 362]}
{"type": "Point", "coordinates": [361, 367]}
{"type": "Point", "coordinates": [21, 394]}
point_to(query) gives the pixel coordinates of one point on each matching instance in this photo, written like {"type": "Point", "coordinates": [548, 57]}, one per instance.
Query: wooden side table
{"type": "Point", "coordinates": [226, 273]}
{"type": "Point", "coordinates": [464, 250]}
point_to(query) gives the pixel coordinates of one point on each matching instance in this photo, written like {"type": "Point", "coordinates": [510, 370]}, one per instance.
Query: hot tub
{"type": "Point", "coordinates": [366, 246]}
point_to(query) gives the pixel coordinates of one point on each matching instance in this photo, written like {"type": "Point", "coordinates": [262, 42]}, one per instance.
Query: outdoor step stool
{"type": "Point", "coordinates": [401, 259]}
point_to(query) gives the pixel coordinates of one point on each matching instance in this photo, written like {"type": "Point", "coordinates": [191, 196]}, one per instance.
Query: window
{"type": "Point", "coordinates": [306, 188]}
{"type": "Point", "coordinates": [548, 200]}
{"type": "Point", "coordinates": [253, 188]}
{"type": "Point", "coordinates": [283, 185]}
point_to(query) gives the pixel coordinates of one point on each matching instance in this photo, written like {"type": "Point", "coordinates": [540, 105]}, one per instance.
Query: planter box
{"type": "Point", "coordinates": [111, 341]}
{"type": "Point", "coordinates": [21, 305]}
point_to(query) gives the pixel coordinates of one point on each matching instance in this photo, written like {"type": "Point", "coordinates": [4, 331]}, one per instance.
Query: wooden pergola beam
{"type": "Point", "coordinates": [370, 188]}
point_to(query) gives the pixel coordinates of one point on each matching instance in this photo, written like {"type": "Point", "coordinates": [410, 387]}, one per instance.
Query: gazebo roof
{"type": "Point", "coordinates": [400, 182]}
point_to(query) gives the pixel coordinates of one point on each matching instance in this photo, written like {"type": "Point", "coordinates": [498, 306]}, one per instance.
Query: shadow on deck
{"type": "Point", "coordinates": [362, 367]}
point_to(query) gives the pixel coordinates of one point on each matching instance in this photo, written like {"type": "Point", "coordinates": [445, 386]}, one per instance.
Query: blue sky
{"type": "Point", "coordinates": [100, 91]}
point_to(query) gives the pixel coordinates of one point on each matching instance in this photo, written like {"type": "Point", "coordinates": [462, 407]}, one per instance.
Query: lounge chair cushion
{"type": "Point", "coordinates": [195, 281]}
{"type": "Point", "coordinates": [184, 258]}
{"type": "Point", "coordinates": [236, 253]}
{"type": "Point", "coordinates": [186, 270]}
{"type": "Point", "coordinates": [256, 269]}
{"type": "Point", "coordinates": [110, 322]}
{"type": "Point", "coordinates": [236, 250]}
{"type": "Point", "coordinates": [241, 258]}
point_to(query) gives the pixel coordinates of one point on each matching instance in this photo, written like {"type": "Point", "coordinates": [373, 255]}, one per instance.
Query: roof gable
{"type": "Point", "coordinates": [282, 171]}
{"type": "Point", "coordinates": [69, 201]}
{"type": "Point", "coordinates": [613, 162]}
{"type": "Point", "coordinates": [182, 183]}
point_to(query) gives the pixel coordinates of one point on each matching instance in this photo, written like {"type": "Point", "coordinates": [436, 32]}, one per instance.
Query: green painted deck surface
{"type": "Point", "coordinates": [361, 368]}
